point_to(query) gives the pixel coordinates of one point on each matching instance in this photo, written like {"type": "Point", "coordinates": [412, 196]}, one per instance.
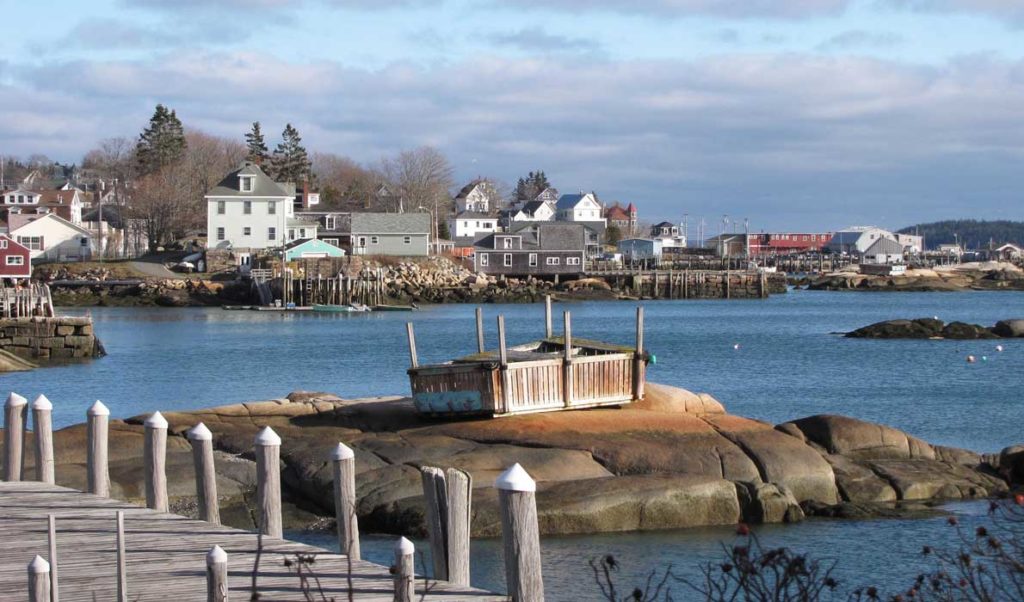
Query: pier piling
{"type": "Point", "coordinates": [267, 449]}
{"type": "Point", "coordinates": [122, 564]}
{"type": "Point", "coordinates": [520, 535]}
{"type": "Point", "coordinates": [480, 330]}
{"type": "Point", "coordinates": [42, 424]}
{"type": "Point", "coordinates": [51, 541]}
{"type": "Point", "coordinates": [345, 500]}
{"type": "Point", "coordinates": [39, 580]}
{"type": "Point", "coordinates": [98, 476]}
{"type": "Point", "coordinates": [14, 436]}
{"type": "Point", "coordinates": [405, 570]}
{"type": "Point", "coordinates": [217, 575]}
{"type": "Point", "coordinates": [206, 477]}
{"type": "Point", "coordinates": [155, 460]}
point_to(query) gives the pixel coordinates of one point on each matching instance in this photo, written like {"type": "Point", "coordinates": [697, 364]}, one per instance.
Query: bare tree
{"type": "Point", "coordinates": [345, 183]}
{"type": "Point", "coordinates": [421, 180]}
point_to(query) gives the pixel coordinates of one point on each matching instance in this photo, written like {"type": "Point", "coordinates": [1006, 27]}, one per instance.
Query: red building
{"type": "Point", "coordinates": [15, 260]}
{"type": "Point", "coordinates": [787, 243]}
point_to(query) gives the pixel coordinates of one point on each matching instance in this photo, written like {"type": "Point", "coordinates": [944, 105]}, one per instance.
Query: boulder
{"type": "Point", "coordinates": [1009, 328]}
{"type": "Point", "coordinates": [858, 439]}
{"type": "Point", "coordinates": [768, 503]}
{"type": "Point", "coordinates": [922, 479]}
{"type": "Point", "coordinates": [858, 483]}
{"type": "Point", "coordinates": [965, 331]}
{"type": "Point", "coordinates": [663, 398]}
{"type": "Point", "coordinates": [1011, 464]}
{"type": "Point", "coordinates": [922, 328]}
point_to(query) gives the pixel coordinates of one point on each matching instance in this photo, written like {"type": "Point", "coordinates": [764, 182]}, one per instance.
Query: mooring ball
{"type": "Point", "coordinates": [970, 359]}
{"type": "Point", "coordinates": [654, 359]}
{"type": "Point", "coordinates": [999, 348]}
{"type": "Point", "coordinates": [736, 346]}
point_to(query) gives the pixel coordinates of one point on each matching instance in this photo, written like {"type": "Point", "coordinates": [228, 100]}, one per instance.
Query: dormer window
{"type": "Point", "coordinates": [245, 183]}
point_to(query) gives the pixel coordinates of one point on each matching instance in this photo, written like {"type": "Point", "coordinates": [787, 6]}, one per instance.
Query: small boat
{"type": "Point", "coordinates": [394, 307]}
{"type": "Point", "coordinates": [340, 309]}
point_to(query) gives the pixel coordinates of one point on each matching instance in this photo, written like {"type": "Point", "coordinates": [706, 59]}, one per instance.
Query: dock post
{"type": "Point", "coordinates": [39, 580]}
{"type": "Point", "coordinates": [345, 500]}
{"type": "Point", "coordinates": [155, 460]}
{"type": "Point", "coordinates": [480, 330]}
{"type": "Point", "coordinates": [567, 360]}
{"type": "Point", "coordinates": [638, 357]}
{"type": "Point", "coordinates": [435, 494]}
{"type": "Point", "coordinates": [217, 575]}
{"type": "Point", "coordinates": [96, 458]}
{"type": "Point", "coordinates": [51, 541]}
{"type": "Point", "coordinates": [506, 385]}
{"type": "Point", "coordinates": [268, 481]}
{"type": "Point", "coordinates": [14, 436]}
{"type": "Point", "coordinates": [405, 571]}
{"type": "Point", "coordinates": [206, 476]}
{"type": "Point", "coordinates": [42, 425]}
{"type": "Point", "coordinates": [548, 330]}
{"type": "Point", "coordinates": [122, 564]}
{"type": "Point", "coordinates": [460, 500]}
{"type": "Point", "coordinates": [520, 535]}
{"type": "Point", "coordinates": [411, 334]}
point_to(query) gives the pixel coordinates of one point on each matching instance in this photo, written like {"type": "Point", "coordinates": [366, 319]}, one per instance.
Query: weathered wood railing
{"type": "Point", "coordinates": [24, 302]}
{"type": "Point", "coordinates": [448, 493]}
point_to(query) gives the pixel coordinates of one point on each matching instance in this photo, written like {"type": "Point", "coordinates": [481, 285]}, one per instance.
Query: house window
{"type": "Point", "coordinates": [329, 222]}
{"type": "Point", "coordinates": [407, 240]}
{"type": "Point", "coordinates": [508, 260]}
{"type": "Point", "coordinates": [220, 233]}
{"type": "Point", "coordinates": [15, 260]}
{"type": "Point", "coordinates": [362, 241]}
{"type": "Point", "coordinates": [3, 243]}
{"type": "Point", "coordinates": [271, 208]}
{"type": "Point", "coordinates": [246, 183]}
{"type": "Point", "coordinates": [302, 233]}
{"type": "Point", "coordinates": [533, 260]}
{"type": "Point", "coordinates": [571, 260]}
{"type": "Point", "coordinates": [246, 231]}
{"type": "Point", "coordinates": [34, 243]}
{"type": "Point", "coordinates": [291, 234]}
{"type": "Point", "coordinates": [488, 225]}
{"type": "Point", "coordinates": [247, 207]}
{"type": "Point", "coordinates": [374, 240]}
{"type": "Point", "coordinates": [331, 241]}
{"type": "Point", "coordinates": [271, 233]}
{"type": "Point", "coordinates": [554, 261]}
{"type": "Point", "coordinates": [507, 242]}
{"type": "Point", "coordinates": [483, 260]}
{"type": "Point", "coordinates": [220, 207]}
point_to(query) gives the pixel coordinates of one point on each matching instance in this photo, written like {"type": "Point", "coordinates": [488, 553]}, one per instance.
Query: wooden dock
{"type": "Point", "coordinates": [166, 554]}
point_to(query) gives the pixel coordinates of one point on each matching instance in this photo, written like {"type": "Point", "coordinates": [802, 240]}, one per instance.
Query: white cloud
{"type": "Point", "coordinates": [781, 9]}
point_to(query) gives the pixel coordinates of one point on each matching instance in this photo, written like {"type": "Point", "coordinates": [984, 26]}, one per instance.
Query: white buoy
{"type": "Point", "coordinates": [736, 346]}
{"type": "Point", "coordinates": [970, 359]}
{"type": "Point", "coordinates": [984, 358]}
{"type": "Point", "coordinates": [999, 348]}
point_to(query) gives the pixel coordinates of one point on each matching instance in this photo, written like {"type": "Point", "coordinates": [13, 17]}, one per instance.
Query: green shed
{"type": "Point", "coordinates": [311, 248]}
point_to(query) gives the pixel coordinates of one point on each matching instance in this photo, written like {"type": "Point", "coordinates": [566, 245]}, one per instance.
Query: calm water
{"type": "Point", "coordinates": [788, 365]}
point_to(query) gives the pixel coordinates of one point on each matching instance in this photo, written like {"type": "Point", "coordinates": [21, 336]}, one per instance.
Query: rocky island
{"type": "Point", "coordinates": [961, 277]}
{"type": "Point", "coordinates": [934, 328]}
{"type": "Point", "coordinates": [675, 459]}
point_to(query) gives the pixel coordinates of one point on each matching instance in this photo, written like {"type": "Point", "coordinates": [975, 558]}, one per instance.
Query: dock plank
{"type": "Point", "coordinates": [166, 553]}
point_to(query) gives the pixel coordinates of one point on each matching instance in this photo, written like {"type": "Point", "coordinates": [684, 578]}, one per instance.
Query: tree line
{"type": "Point", "coordinates": [969, 233]}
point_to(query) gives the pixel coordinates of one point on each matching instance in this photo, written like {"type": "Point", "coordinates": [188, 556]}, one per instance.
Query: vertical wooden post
{"type": "Point", "coordinates": [460, 499]}
{"type": "Point", "coordinates": [14, 436]}
{"type": "Point", "coordinates": [96, 458]}
{"type": "Point", "coordinates": [38, 580]}
{"type": "Point", "coordinates": [268, 481]}
{"type": "Point", "coordinates": [567, 392]}
{"type": "Point", "coordinates": [435, 495]}
{"type": "Point", "coordinates": [345, 500]}
{"type": "Point", "coordinates": [480, 330]}
{"type": "Point", "coordinates": [42, 425]}
{"type": "Point", "coordinates": [638, 357]}
{"type": "Point", "coordinates": [548, 330]}
{"type": "Point", "coordinates": [520, 535]}
{"type": "Point", "coordinates": [411, 334]}
{"type": "Point", "coordinates": [216, 575]}
{"type": "Point", "coordinates": [155, 459]}
{"type": "Point", "coordinates": [122, 563]}
{"type": "Point", "coordinates": [405, 571]}
{"type": "Point", "coordinates": [506, 386]}
{"type": "Point", "coordinates": [51, 541]}
{"type": "Point", "coordinates": [502, 351]}
{"type": "Point", "coordinates": [206, 476]}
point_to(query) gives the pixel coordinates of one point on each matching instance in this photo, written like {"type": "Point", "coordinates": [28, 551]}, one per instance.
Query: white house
{"type": "Point", "coordinates": [52, 238]}
{"type": "Point", "coordinates": [912, 243]}
{"type": "Point", "coordinates": [249, 210]}
{"type": "Point", "coordinates": [855, 240]}
{"type": "Point", "coordinates": [66, 203]}
{"type": "Point", "coordinates": [472, 223]}
{"type": "Point", "coordinates": [1009, 251]}
{"type": "Point", "coordinates": [534, 211]}
{"type": "Point", "coordinates": [669, 235]}
{"type": "Point", "coordinates": [640, 249]}
{"type": "Point", "coordinates": [479, 196]}
{"type": "Point", "coordinates": [578, 208]}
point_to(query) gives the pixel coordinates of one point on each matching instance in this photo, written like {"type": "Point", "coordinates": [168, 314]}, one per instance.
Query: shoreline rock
{"type": "Point", "coordinates": [675, 459]}
{"type": "Point", "coordinates": [965, 277]}
{"type": "Point", "coordinates": [933, 328]}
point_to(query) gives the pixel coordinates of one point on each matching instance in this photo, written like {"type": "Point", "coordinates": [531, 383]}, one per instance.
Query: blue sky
{"type": "Point", "coordinates": [796, 114]}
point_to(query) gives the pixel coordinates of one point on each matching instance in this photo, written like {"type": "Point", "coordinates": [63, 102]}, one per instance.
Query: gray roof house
{"type": "Point", "coordinates": [401, 234]}
{"type": "Point", "coordinates": [534, 248]}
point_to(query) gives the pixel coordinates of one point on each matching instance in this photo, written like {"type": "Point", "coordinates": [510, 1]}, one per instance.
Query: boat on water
{"type": "Point", "coordinates": [394, 307]}
{"type": "Point", "coordinates": [339, 309]}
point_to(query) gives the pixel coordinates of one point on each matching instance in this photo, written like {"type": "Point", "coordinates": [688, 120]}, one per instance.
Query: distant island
{"type": "Point", "coordinates": [969, 233]}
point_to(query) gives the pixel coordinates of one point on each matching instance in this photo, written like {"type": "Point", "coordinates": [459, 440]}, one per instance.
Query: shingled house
{"type": "Point", "coordinates": [534, 249]}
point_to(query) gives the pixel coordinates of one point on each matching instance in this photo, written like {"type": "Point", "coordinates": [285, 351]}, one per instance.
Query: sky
{"type": "Point", "coordinates": [792, 114]}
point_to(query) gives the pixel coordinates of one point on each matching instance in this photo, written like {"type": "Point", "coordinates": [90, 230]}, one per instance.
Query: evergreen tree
{"type": "Point", "coordinates": [162, 143]}
{"type": "Point", "coordinates": [257, 150]}
{"type": "Point", "coordinates": [290, 162]}
{"type": "Point", "coordinates": [533, 184]}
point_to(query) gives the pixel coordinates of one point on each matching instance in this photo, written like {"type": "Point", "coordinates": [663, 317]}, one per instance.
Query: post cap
{"type": "Point", "coordinates": [267, 437]}
{"type": "Point", "coordinates": [42, 403]}
{"type": "Point", "coordinates": [216, 555]}
{"type": "Point", "coordinates": [200, 433]}
{"type": "Point", "coordinates": [156, 421]}
{"type": "Point", "coordinates": [403, 546]}
{"type": "Point", "coordinates": [38, 565]}
{"type": "Point", "coordinates": [342, 452]}
{"type": "Point", "coordinates": [98, 409]}
{"type": "Point", "coordinates": [515, 479]}
{"type": "Point", "coordinates": [14, 400]}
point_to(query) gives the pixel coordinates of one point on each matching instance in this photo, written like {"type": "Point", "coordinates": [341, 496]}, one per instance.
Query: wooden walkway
{"type": "Point", "coordinates": [166, 554]}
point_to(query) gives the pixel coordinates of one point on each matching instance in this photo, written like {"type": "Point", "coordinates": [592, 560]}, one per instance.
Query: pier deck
{"type": "Point", "coordinates": [166, 554]}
